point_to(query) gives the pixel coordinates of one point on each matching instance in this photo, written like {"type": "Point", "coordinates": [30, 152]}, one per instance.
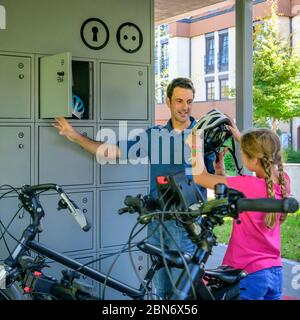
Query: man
{"type": "Point", "coordinates": [166, 159]}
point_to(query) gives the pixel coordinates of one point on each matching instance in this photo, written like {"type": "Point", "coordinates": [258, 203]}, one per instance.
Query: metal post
{"type": "Point", "coordinates": [244, 77]}
{"type": "Point", "coordinates": [243, 67]}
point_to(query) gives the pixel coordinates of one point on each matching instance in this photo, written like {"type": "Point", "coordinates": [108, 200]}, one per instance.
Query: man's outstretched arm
{"type": "Point", "coordinates": [107, 151]}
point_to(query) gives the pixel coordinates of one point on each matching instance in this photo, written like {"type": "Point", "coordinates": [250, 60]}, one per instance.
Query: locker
{"type": "Point", "coordinates": [15, 160]}
{"type": "Point", "coordinates": [63, 162]}
{"type": "Point", "coordinates": [130, 172]}
{"type": "Point", "coordinates": [124, 92]}
{"type": "Point", "coordinates": [118, 269]}
{"type": "Point", "coordinates": [115, 229]}
{"type": "Point", "coordinates": [61, 231]}
{"type": "Point", "coordinates": [9, 205]}
{"type": "Point", "coordinates": [15, 84]}
{"type": "Point", "coordinates": [56, 85]}
{"type": "Point", "coordinates": [61, 80]}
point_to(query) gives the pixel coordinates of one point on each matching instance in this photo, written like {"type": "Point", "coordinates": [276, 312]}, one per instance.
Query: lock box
{"type": "Point", "coordinates": [66, 87]}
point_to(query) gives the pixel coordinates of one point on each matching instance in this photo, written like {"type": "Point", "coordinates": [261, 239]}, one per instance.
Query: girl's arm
{"type": "Point", "coordinates": [200, 174]}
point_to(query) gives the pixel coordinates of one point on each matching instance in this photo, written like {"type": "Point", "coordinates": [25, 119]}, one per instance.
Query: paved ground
{"type": "Point", "coordinates": [291, 271]}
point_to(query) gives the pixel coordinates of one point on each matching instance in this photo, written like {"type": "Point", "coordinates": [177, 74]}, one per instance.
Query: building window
{"type": "Point", "coordinates": [209, 55]}
{"type": "Point", "coordinates": [210, 90]}
{"type": "Point", "coordinates": [224, 89]}
{"type": "Point", "coordinates": [164, 58]}
{"type": "Point", "coordinates": [156, 59]}
{"type": "Point", "coordinates": [163, 30]}
{"type": "Point", "coordinates": [223, 51]}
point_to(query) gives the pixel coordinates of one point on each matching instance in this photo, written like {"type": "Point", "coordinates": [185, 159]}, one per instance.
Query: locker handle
{"type": "Point", "coordinates": [61, 73]}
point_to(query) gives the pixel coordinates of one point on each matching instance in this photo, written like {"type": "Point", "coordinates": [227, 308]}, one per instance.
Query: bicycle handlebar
{"type": "Point", "coordinates": [77, 213]}
{"type": "Point", "coordinates": [285, 205]}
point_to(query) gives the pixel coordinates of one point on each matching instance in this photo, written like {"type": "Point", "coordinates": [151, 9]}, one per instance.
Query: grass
{"type": "Point", "coordinates": [290, 235]}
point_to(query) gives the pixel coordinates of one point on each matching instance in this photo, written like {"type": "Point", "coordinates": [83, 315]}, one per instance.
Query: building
{"type": "Point", "coordinates": [202, 47]}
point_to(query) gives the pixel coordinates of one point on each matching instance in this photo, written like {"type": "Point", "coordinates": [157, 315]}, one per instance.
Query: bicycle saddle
{"type": "Point", "coordinates": [173, 257]}
{"type": "Point", "coordinates": [226, 274]}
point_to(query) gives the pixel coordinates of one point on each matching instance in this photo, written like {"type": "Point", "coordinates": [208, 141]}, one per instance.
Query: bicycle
{"type": "Point", "coordinates": [178, 199]}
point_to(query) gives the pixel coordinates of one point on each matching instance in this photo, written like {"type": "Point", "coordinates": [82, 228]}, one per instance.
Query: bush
{"type": "Point", "coordinates": [291, 156]}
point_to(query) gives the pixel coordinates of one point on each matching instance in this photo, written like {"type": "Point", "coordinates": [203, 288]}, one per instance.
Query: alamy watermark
{"type": "Point", "coordinates": [296, 279]}
{"type": "Point", "coordinates": [2, 17]}
{"type": "Point", "coordinates": [155, 145]}
{"type": "Point", "coordinates": [2, 277]}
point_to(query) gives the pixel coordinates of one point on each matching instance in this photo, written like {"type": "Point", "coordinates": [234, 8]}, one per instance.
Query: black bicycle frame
{"type": "Point", "coordinates": [75, 265]}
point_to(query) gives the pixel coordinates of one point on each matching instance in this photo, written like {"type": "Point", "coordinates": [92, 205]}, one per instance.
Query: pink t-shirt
{"type": "Point", "coordinates": [253, 246]}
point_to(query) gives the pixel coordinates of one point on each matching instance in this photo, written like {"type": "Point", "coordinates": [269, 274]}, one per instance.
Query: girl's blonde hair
{"type": "Point", "coordinates": [264, 145]}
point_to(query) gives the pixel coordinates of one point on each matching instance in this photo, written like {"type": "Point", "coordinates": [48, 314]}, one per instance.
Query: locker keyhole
{"type": "Point", "coordinates": [95, 31]}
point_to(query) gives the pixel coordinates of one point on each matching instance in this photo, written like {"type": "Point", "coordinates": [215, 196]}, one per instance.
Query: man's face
{"type": "Point", "coordinates": [180, 104]}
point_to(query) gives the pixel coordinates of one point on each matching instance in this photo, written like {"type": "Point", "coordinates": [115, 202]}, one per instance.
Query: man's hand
{"type": "Point", "coordinates": [65, 129]}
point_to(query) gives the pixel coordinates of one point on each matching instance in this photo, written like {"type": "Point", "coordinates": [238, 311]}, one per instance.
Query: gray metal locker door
{"type": "Point", "coordinates": [63, 162]}
{"type": "Point", "coordinates": [61, 231]}
{"type": "Point", "coordinates": [123, 270]}
{"type": "Point", "coordinates": [15, 87]}
{"type": "Point", "coordinates": [8, 209]}
{"type": "Point", "coordinates": [116, 173]}
{"type": "Point", "coordinates": [56, 269]}
{"type": "Point", "coordinates": [15, 159]}
{"type": "Point", "coordinates": [115, 228]}
{"type": "Point", "coordinates": [124, 92]}
{"type": "Point", "coordinates": [56, 86]}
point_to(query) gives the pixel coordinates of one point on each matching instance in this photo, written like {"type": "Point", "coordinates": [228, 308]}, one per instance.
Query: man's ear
{"type": "Point", "coordinates": [168, 102]}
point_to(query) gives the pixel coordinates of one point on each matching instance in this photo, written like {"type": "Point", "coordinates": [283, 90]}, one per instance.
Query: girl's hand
{"type": "Point", "coordinates": [195, 142]}
{"type": "Point", "coordinates": [219, 164]}
{"type": "Point", "coordinates": [234, 129]}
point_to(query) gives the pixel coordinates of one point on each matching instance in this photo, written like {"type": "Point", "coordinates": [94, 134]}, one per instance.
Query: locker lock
{"type": "Point", "coordinates": [60, 76]}
{"type": "Point", "coordinates": [140, 83]}
{"type": "Point", "coordinates": [140, 268]}
{"type": "Point", "coordinates": [84, 210]}
{"type": "Point", "coordinates": [21, 76]}
{"type": "Point", "coordinates": [21, 146]}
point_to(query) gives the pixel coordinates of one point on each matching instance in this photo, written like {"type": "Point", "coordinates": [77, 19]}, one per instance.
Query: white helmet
{"type": "Point", "coordinates": [215, 131]}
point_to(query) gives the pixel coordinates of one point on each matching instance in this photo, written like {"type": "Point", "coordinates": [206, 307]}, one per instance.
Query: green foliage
{"type": "Point", "coordinates": [229, 164]}
{"type": "Point", "coordinates": [276, 69]}
{"type": "Point", "coordinates": [291, 156]}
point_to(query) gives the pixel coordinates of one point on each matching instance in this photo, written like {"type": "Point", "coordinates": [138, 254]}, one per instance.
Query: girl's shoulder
{"type": "Point", "coordinates": [244, 183]}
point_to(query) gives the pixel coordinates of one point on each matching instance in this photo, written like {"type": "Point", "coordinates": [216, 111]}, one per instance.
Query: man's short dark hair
{"type": "Point", "coordinates": [184, 83]}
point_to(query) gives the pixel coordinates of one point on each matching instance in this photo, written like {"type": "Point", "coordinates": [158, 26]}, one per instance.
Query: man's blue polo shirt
{"type": "Point", "coordinates": [168, 153]}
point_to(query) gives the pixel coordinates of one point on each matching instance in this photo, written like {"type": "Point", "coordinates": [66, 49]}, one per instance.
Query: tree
{"type": "Point", "coordinates": [276, 70]}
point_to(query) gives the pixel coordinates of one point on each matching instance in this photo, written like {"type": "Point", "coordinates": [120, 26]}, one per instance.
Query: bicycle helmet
{"type": "Point", "coordinates": [214, 128]}
{"type": "Point", "coordinates": [77, 106]}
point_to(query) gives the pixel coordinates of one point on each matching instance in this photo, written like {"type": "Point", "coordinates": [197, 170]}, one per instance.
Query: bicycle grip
{"type": "Point", "coordinates": [133, 202]}
{"type": "Point", "coordinates": [286, 205]}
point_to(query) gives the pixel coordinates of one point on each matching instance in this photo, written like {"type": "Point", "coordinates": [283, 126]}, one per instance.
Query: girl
{"type": "Point", "coordinates": [255, 243]}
